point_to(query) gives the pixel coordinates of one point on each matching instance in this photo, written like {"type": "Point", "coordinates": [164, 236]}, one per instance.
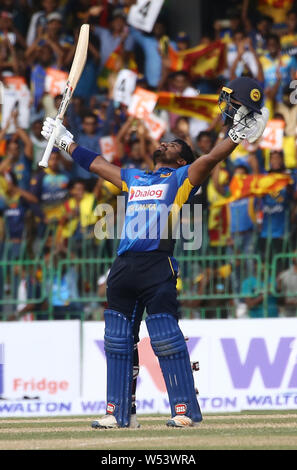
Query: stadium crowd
{"type": "Point", "coordinates": [49, 214]}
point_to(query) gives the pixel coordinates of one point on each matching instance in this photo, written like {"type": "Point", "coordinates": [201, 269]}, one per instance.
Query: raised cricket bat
{"type": "Point", "coordinates": [78, 64]}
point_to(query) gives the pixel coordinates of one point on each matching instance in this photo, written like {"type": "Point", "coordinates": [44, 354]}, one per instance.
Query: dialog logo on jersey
{"type": "Point", "coordinates": [144, 193]}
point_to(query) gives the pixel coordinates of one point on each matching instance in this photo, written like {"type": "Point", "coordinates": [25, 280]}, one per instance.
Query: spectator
{"type": "Point", "coordinates": [204, 142]}
{"type": "Point", "coordinates": [242, 227]}
{"type": "Point", "coordinates": [275, 212]}
{"type": "Point", "coordinates": [42, 56]}
{"type": "Point", "coordinates": [224, 29]}
{"type": "Point", "coordinates": [150, 45]}
{"type": "Point", "coordinates": [242, 58]}
{"type": "Point", "coordinates": [182, 41]}
{"type": "Point", "coordinates": [131, 145]}
{"type": "Point", "coordinates": [289, 40]}
{"type": "Point", "coordinates": [287, 285]}
{"type": "Point", "coordinates": [17, 203]}
{"type": "Point", "coordinates": [89, 138]}
{"type": "Point", "coordinates": [214, 288]}
{"type": "Point", "coordinates": [64, 291]}
{"type": "Point", "coordinates": [259, 305]}
{"type": "Point", "coordinates": [19, 158]}
{"type": "Point", "coordinates": [278, 69]}
{"type": "Point", "coordinates": [38, 20]}
{"type": "Point", "coordinates": [260, 33]}
{"type": "Point", "coordinates": [87, 84]}
{"type": "Point", "coordinates": [179, 83]}
{"type": "Point", "coordinates": [79, 219]}
{"type": "Point", "coordinates": [9, 64]}
{"type": "Point", "coordinates": [50, 186]}
{"type": "Point", "coordinates": [113, 37]}
{"type": "Point", "coordinates": [181, 130]}
{"type": "Point", "coordinates": [8, 30]}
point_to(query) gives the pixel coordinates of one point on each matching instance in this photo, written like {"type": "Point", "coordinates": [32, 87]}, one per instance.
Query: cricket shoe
{"type": "Point", "coordinates": [109, 422]}
{"type": "Point", "coordinates": [106, 422]}
{"type": "Point", "coordinates": [181, 421]}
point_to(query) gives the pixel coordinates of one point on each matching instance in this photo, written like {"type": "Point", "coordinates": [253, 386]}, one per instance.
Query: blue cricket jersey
{"type": "Point", "coordinates": [154, 200]}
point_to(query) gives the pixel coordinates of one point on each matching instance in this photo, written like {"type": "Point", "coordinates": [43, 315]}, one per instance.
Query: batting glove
{"type": "Point", "coordinates": [63, 138]}
{"type": "Point", "coordinates": [248, 126]}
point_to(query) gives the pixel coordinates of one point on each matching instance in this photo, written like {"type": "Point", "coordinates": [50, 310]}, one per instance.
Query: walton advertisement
{"type": "Point", "coordinates": [244, 365]}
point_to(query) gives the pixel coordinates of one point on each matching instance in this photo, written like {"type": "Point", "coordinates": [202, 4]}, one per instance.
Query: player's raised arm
{"type": "Point", "coordinates": [241, 106]}
{"type": "Point", "coordinates": [246, 126]}
{"type": "Point", "coordinates": [87, 159]}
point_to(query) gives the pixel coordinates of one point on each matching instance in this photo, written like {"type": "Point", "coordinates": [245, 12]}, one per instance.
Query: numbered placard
{"type": "Point", "coordinates": [108, 147]}
{"type": "Point", "coordinates": [124, 86]}
{"type": "Point", "coordinates": [15, 95]}
{"type": "Point", "coordinates": [55, 81]}
{"type": "Point", "coordinates": [142, 103]}
{"type": "Point", "coordinates": [155, 125]}
{"type": "Point", "coordinates": [143, 15]}
{"type": "Point", "coordinates": [273, 135]}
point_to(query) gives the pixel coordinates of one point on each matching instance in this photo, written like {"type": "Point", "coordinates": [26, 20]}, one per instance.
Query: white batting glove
{"type": "Point", "coordinates": [257, 129]}
{"type": "Point", "coordinates": [250, 128]}
{"type": "Point", "coordinates": [63, 137]}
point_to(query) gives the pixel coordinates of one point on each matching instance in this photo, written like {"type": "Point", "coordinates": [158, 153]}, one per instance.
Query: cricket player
{"type": "Point", "coordinates": [145, 272]}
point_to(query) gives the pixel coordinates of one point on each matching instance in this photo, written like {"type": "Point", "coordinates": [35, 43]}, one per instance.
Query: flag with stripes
{"type": "Point", "coordinates": [206, 61]}
{"type": "Point", "coordinates": [200, 107]}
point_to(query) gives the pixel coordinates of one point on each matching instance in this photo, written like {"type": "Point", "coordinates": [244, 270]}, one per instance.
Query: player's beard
{"type": "Point", "coordinates": [160, 156]}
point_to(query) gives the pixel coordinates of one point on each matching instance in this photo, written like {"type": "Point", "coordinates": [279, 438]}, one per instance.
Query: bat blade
{"type": "Point", "coordinates": [77, 67]}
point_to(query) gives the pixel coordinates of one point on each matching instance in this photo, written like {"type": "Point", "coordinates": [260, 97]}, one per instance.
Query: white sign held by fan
{"type": "Point", "coordinates": [143, 15]}
{"type": "Point", "coordinates": [124, 86]}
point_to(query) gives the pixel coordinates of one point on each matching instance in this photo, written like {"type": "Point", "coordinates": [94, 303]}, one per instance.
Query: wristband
{"type": "Point", "coordinates": [83, 157]}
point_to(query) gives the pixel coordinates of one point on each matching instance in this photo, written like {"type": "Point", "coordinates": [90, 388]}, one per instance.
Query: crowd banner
{"type": "Point", "coordinates": [244, 365]}
{"type": "Point", "coordinates": [143, 15]}
{"type": "Point", "coordinates": [247, 364]}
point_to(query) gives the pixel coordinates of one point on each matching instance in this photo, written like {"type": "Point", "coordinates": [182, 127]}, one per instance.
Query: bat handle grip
{"type": "Point", "coordinates": [50, 145]}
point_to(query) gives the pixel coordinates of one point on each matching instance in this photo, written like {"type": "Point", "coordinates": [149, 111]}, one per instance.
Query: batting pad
{"type": "Point", "coordinates": [170, 347]}
{"type": "Point", "coordinates": [118, 345]}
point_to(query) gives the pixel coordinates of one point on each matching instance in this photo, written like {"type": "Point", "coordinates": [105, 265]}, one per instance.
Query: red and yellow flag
{"type": "Point", "coordinates": [200, 61]}
{"type": "Point", "coordinates": [201, 107]}
{"type": "Point", "coordinates": [255, 185]}
{"type": "Point", "coordinates": [114, 64]}
{"type": "Point", "coordinates": [276, 3]}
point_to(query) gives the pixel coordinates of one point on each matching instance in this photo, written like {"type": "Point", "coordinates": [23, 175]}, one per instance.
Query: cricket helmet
{"type": "Point", "coordinates": [244, 90]}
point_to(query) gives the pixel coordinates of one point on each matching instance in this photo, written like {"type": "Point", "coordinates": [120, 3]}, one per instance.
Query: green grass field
{"type": "Point", "coordinates": [252, 430]}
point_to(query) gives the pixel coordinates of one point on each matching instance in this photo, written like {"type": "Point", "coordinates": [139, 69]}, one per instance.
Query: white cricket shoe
{"type": "Point", "coordinates": [181, 421]}
{"type": "Point", "coordinates": [109, 422]}
{"type": "Point", "coordinates": [106, 422]}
